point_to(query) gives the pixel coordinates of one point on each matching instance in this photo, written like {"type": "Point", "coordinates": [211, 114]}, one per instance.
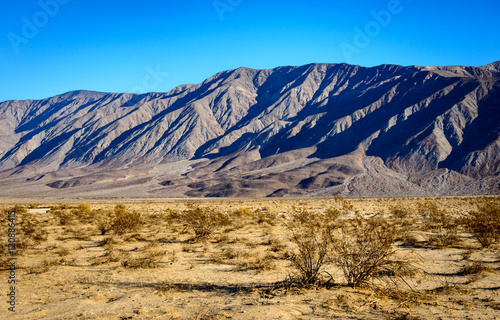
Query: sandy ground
{"type": "Point", "coordinates": [68, 270]}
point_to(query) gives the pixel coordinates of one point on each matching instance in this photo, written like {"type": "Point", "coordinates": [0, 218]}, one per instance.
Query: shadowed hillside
{"type": "Point", "coordinates": [317, 130]}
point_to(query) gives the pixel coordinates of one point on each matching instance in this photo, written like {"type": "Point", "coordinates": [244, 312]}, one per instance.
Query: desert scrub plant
{"type": "Point", "coordinates": [124, 220]}
{"type": "Point", "coordinates": [82, 212]}
{"type": "Point", "coordinates": [399, 211]}
{"type": "Point", "coordinates": [242, 213]}
{"type": "Point", "coordinates": [484, 223]}
{"type": "Point", "coordinates": [313, 239]}
{"type": "Point", "coordinates": [265, 216]}
{"type": "Point", "coordinates": [64, 217]}
{"type": "Point", "coordinates": [364, 249]}
{"type": "Point", "coordinates": [103, 220]}
{"type": "Point", "coordinates": [441, 223]}
{"type": "Point", "coordinates": [204, 221]}
{"type": "Point", "coordinates": [31, 229]}
{"type": "Point", "coordinates": [473, 268]}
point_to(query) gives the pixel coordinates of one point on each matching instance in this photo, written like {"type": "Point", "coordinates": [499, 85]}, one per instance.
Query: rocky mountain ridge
{"type": "Point", "coordinates": [313, 130]}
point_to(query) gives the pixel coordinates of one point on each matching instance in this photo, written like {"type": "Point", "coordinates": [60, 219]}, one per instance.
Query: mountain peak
{"type": "Point", "coordinates": [495, 66]}
{"type": "Point", "coordinates": [317, 129]}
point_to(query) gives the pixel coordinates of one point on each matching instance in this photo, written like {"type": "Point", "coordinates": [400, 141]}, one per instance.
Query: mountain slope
{"type": "Point", "coordinates": [316, 130]}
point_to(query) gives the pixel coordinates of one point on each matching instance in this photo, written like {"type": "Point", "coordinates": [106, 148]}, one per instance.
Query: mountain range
{"type": "Point", "coordinates": [314, 130]}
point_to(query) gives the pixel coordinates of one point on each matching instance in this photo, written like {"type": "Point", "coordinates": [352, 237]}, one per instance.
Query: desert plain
{"type": "Point", "coordinates": [439, 258]}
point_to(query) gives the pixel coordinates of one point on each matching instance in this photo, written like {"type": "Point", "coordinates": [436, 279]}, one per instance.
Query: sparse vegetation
{"type": "Point", "coordinates": [125, 220]}
{"type": "Point", "coordinates": [442, 223]}
{"type": "Point", "coordinates": [331, 256]}
{"type": "Point", "coordinates": [313, 239]}
{"type": "Point", "coordinates": [364, 249]}
{"type": "Point", "coordinates": [484, 223]}
{"type": "Point", "coordinates": [204, 221]}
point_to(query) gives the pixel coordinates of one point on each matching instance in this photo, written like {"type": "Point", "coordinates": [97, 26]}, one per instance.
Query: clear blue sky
{"type": "Point", "coordinates": [113, 46]}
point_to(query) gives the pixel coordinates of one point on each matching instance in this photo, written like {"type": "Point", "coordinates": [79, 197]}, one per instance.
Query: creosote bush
{"type": "Point", "coordinates": [31, 229]}
{"type": "Point", "coordinates": [442, 223]}
{"type": "Point", "coordinates": [364, 249]}
{"type": "Point", "coordinates": [484, 223]}
{"type": "Point", "coordinates": [312, 235]}
{"type": "Point", "coordinates": [204, 221]}
{"type": "Point", "coordinates": [125, 220]}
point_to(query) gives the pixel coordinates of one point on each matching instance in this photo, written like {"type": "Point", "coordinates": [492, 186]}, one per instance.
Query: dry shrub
{"type": "Point", "coordinates": [103, 220]}
{"type": "Point", "coordinates": [265, 216]}
{"type": "Point", "coordinates": [110, 255]}
{"type": "Point", "coordinates": [441, 223]}
{"type": "Point", "coordinates": [31, 229]}
{"type": "Point", "coordinates": [124, 220]}
{"type": "Point", "coordinates": [108, 242]}
{"type": "Point", "coordinates": [63, 252]}
{"type": "Point", "coordinates": [312, 236]}
{"type": "Point", "coordinates": [82, 212]}
{"type": "Point", "coordinates": [484, 223]}
{"type": "Point", "coordinates": [204, 221]}
{"type": "Point", "coordinates": [400, 211]}
{"type": "Point", "coordinates": [364, 250]}
{"type": "Point", "coordinates": [65, 217]}
{"type": "Point", "coordinates": [278, 248]}
{"type": "Point", "coordinates": [43, 266]}
{"type": "Point", "coordinates": [242, 213]}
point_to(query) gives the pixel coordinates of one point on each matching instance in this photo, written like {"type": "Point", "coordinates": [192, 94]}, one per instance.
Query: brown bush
{"type": "Point", "coordinates": [124, 220]}
{"type": "Point", "coordinates": [364, 250]}
{"type": "Point", "coordinates": [484, 223]}
{"type": "Point", "coordinates": [204, 221]}
{"type": "Point", "coordinates": [441, 223]}
{"type": "Point", "coordinates": [64, 217]}
{"type": "Point", "coordinates": [103, 220]}
{"type": "Point", "coordinates": [312, 236]}
{"type": "Point", "coordinates": [400, 211]}
{"type": "Point", "coordinates": [31, 229]}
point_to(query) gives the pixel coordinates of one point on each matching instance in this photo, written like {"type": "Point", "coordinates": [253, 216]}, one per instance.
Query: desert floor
{"type": "Point", "coordinates": [72, 262]}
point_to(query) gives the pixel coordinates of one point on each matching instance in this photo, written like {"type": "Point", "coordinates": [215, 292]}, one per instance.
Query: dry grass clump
{"type": "Point", "coordinates": [111, 254]}
{"type": "Point", "coordinates": [103, 220]}
{"type": "Point", "coordinates": [242, 213]}
{"type": "Point", "coordinates": [484, 223]}
{"type": "Point", "coordinates": [150, 257]}
{"type": "Point", "coordinates": [473, 268]}
{"type": "Point", "coordinates": [342, 207]}
{"type": "Point", "coordinates": [244, 259]}
{"type": "Point", "coordinates": [204, 221]}
{"type": "Point", "coordinates": [265, 216]}
{"type": "Point", "coordinates": [64, 217]}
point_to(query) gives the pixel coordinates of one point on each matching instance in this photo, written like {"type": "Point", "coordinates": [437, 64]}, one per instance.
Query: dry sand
{"type": "Point", "coordinates": [238, 272]}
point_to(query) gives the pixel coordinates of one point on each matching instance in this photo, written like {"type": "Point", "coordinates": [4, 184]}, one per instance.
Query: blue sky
{"type": "Point", "coordinates": [49, 47]}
